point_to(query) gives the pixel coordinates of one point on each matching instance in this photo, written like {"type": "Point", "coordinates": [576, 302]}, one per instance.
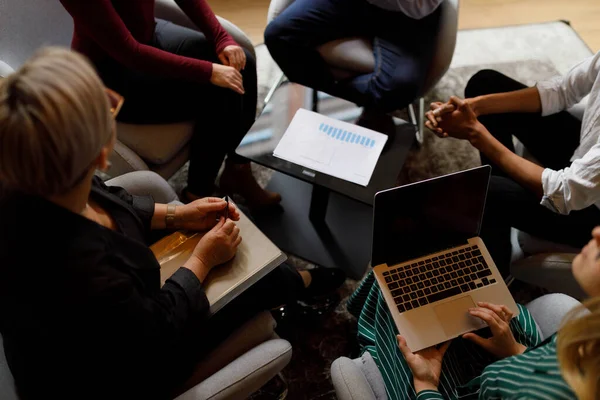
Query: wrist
{"type": "Point", "coordinates": [422, 385]}
{"type": "Point", "coordinates": [475, 103]}
{"type": "Point", "coordinates": [477, 135]}
{"type": "Point", "coordinates": [198, 266]}
{"type": "Point", "coordinates": [519, 349]}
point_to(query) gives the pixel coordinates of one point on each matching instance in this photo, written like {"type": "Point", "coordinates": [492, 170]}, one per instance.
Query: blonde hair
{"type": "Point", "coordinates": [54, 121]}
{"type": "Point", "coordinates": [578, 350]}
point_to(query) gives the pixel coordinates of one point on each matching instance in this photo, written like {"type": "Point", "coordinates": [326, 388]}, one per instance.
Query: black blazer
{"type": "Point", "coordinates": [81, 309]}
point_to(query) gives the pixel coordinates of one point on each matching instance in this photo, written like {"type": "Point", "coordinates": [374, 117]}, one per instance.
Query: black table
{"type": "Point", "coordinates": [322, 219]}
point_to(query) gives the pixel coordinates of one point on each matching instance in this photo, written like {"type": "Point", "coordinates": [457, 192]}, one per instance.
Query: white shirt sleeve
{"type": "Point", "coordinates": [416, 9]}
{"type": "Point", "coordinates": [575, 187]}
{"type": "Point", "coordinates": [564, 92]}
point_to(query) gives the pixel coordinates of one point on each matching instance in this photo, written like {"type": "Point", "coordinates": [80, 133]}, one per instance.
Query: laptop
{"type": "Point", "coordinates": [429, 262]}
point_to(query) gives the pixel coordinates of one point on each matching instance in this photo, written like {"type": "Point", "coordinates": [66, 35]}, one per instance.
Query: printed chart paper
{"type": "Point", "coordinates": [332, 147]}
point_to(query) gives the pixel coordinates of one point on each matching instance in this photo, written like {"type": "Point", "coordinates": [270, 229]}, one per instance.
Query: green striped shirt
{"type": "Point", "coordinates": [468, 371]}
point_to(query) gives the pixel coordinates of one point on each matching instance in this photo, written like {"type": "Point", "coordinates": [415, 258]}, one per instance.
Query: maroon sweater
{"type": "Point", "coordinates": [123, 29]}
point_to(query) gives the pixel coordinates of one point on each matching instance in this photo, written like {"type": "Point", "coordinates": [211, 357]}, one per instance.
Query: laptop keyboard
{"type": "Point", "coordinates": [418, 284]}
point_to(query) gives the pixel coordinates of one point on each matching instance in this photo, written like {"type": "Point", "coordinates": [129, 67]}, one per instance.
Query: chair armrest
{"type": "Point", "coordinates": [170, 11]}
{"type": "Point", "coordinates": [143, 183]}
{"type": "Point", "coordinates": [551, 271]}
{"type": "Point", "coordinates": [124, 160]}
{"type": "Point", "coordinates": [357, 379]}
{"type": "Point", "coordinates": [245, 375]}
{"type": "Point", "coordinates": [276, 7]}
{"type": "Point", "coordinates": [549, 312]}
{"type": "Point", "coordinates": [5, 69]}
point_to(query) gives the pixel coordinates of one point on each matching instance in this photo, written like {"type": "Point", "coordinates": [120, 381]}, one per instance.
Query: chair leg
{"type": "Point", "coordinates": [411, 113]}
{"type": "Point", "coordinates": [421, 121]}
{"type": "Point", "coordinates": [418, 119]}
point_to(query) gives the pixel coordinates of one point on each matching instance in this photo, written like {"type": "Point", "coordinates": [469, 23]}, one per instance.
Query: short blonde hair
{"type": "Point", "coordinates": [578, 350]}
{"type": "Point", "coordinates": [54, 120]}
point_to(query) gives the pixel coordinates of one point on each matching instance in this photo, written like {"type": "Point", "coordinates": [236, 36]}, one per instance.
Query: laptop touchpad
{"type": "Point", "coordinates": [455, 318]}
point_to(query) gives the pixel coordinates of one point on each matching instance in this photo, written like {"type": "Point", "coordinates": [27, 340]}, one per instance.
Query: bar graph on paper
{"type": "Point", "coordinates": [346, 136]}
{"type": "Point", "coordinates": [333, 147]}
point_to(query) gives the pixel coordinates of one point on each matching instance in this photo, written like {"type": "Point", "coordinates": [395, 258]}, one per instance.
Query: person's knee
{"type": "Point", "coordinates": [394, 93]}
{"type": "Point", "coordinates": [274, 33]}
{"type": "Point", "coordinates": [479, 84]}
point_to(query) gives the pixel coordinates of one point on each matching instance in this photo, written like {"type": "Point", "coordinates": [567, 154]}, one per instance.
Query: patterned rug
{"type": "Point", "coordinates": [527, 53]}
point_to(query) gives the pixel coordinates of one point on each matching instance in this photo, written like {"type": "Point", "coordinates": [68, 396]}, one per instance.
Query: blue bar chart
{"type": "Point", "coordinates": [346, 136]}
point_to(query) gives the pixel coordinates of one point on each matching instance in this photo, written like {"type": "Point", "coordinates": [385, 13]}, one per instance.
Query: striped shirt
{"type": "Point", "coordinates": [468, 371]}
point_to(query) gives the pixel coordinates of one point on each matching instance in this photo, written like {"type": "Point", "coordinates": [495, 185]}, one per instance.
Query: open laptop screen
{"type": "Point", "coordinates": [418, 219]}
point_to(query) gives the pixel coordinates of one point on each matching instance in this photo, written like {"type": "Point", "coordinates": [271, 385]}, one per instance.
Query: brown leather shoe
{"type": "Point", "coordinates": [238, 179]}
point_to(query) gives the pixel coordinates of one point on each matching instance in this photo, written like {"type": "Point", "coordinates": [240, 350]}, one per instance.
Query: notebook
{"type": "Point", "coordinates": [255, 258]}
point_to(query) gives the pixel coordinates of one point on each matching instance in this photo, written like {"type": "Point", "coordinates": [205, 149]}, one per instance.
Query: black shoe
{"type": "Point", "coordinates": [324, 281]}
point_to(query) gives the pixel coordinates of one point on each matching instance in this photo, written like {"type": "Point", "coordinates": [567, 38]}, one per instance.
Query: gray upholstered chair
{"type": "Point", "coordinates": [26, 25]}
{"type": "Point", "coordinates": [360, 378]}
{"type": "Point", "coordinates": [351, 56]}
{"type": "Point", "coordinates": [257, 352]}
{"type": "Point", "coordinates": [541, 262]}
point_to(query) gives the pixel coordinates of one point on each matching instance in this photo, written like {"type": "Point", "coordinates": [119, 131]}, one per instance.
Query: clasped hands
{"type": "Point", "coordinates": [426, 365]}
{"type": "Point", "coordinates": [220, 243]}
{"type": "Point", "coordinates": [227, 74]}
{"type": "Point", "coordinates": [457, 118]}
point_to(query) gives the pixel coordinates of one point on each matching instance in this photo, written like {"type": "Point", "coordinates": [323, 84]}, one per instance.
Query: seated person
{"type": "Point", "coordinates": [513, 362]}
{"type": "Point", "coordinates": [557, 201]}
{"type": "Point", "coordinates": [403, 34]}
{"type": "Point", "coordinates": [82, 312]}
{"type": "Point", "coordinates": [169, 74]}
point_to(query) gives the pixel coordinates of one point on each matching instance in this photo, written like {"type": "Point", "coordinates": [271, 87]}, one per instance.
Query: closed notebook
{"type": "Point", "coordinates": [255, 258]}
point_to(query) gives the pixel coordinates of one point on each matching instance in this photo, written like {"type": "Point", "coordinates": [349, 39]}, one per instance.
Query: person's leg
{"type": "Point", "coordinates": [510, 205]}
{"type": "Point", "coordinates": [551, 139]}
{"type": "Point", "coordinates": [293, 37]}
{"type": "Point", "coordinates": [403, 49]}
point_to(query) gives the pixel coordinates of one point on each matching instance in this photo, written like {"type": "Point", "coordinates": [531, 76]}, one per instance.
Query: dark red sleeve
{"type": "Point", "coordinates": [202, 15]}
{"type": "Point", "coordinates": [101, 22]}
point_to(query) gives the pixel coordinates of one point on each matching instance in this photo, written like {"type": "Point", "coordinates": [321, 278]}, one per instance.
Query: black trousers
{"type": "Point", "coordinates": [552, 140]}
{"type": "Point", "coordinates": [222, 117]}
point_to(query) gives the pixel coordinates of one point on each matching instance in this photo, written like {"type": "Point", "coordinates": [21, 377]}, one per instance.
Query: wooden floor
{"type": "Point", "coordinates": [584, 15]}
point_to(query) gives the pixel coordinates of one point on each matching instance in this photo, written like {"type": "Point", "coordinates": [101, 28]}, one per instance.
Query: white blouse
{"type": "Point", "coordinates": [577, 186]}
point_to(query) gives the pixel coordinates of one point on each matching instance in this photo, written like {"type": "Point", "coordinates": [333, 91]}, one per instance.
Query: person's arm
{"type": "Point", "coordinates": [524, 100]}
{"type": "Point", "coordinates": [575, 187]}
{"type": "Point", "coordinates": [204, 18]}
{"type": "Point", "coordinates": [100, 21]}
{"type": "Point", "coordinates": [143, 206]}
{"type": "Point", "coordinates": [525, 172]}
{"type": "Point", "coordinates": [562, 93]}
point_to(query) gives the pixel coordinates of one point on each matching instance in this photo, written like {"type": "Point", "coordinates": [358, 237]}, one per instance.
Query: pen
{"type": "Point", "coordinates": [227, 208]}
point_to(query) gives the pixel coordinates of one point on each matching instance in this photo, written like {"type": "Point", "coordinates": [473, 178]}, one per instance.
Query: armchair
{"type": "Point", "coordinates": [26, 25]}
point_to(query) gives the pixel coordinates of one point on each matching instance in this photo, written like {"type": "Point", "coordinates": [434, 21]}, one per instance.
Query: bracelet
{"type": "Point", "coordinates": [170, 217]}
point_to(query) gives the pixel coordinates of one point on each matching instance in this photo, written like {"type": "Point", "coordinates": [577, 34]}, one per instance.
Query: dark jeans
{"type": "Point", "coordinates": [552, 140]}
{"type": "Point", "coordinates": [402, 49]}
{"type": "Point", "coordinates": [222, 117]}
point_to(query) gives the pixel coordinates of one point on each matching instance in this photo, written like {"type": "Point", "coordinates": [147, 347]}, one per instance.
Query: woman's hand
{"type": "Point", "coordinates": [457, 115]}
{"type": "Point", "coordinates": [434, 116]}
{"type": "Point", "coordinates": [218, 245]}
{"type": "Point", "coordinates": [426, 365]}
{"type": "Point", "coordinates": [203, 214]}
{"type": "Point", "coordinates": [502, 344]}
{"type": "Point", "coordinates": [227, 77]}
{"type": "Point", "coordinates": [233, 56]}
